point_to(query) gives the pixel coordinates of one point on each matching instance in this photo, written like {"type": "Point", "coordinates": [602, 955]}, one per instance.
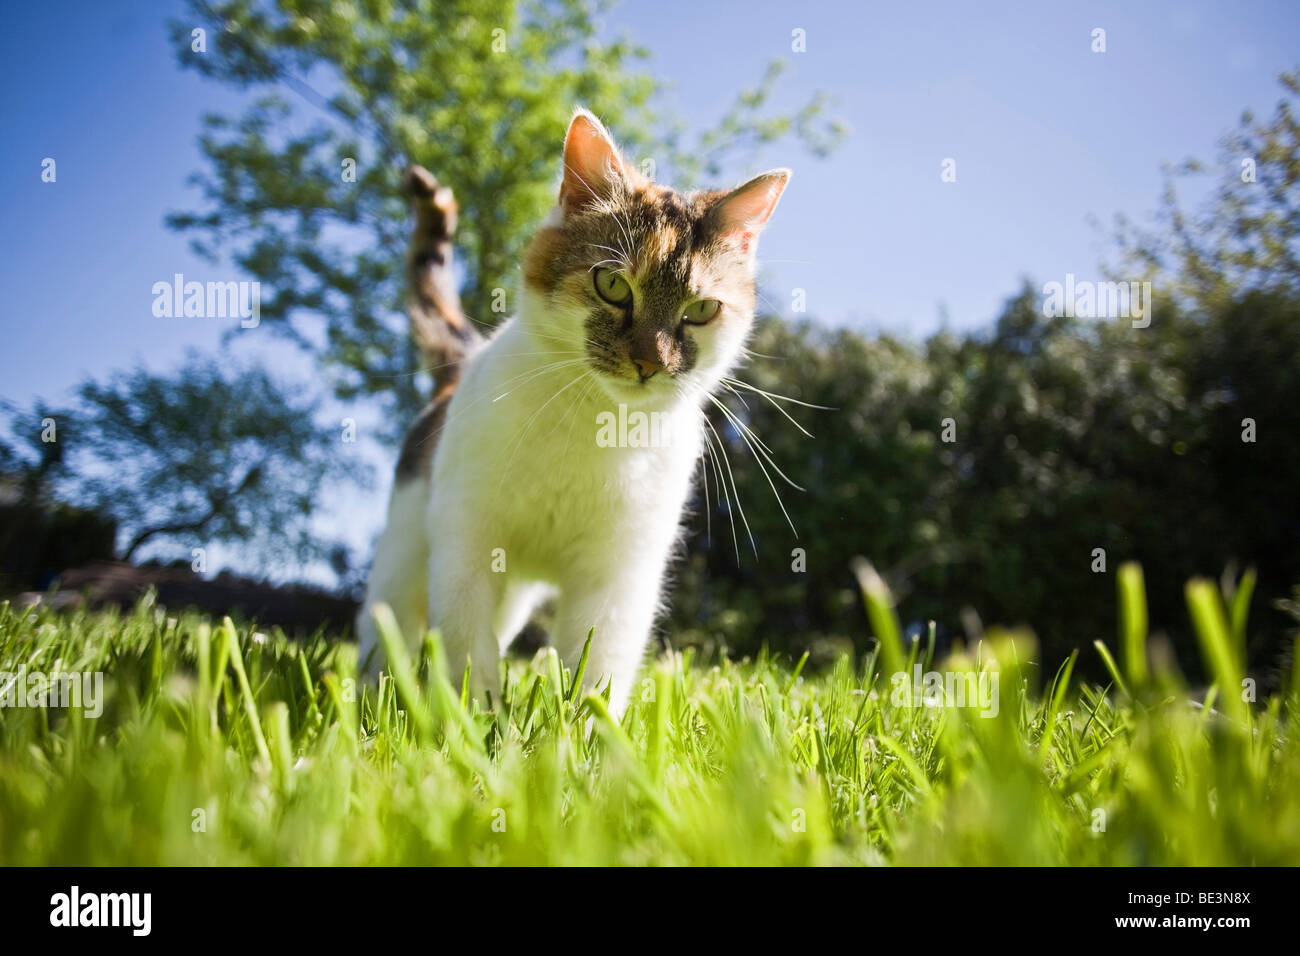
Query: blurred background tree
{"type": "Point", "coordinates": [1070, 435]}
{"type": "Point", "coordinates": [213, 454]}
{"type": "Point", "coordinates": [1246, 235]}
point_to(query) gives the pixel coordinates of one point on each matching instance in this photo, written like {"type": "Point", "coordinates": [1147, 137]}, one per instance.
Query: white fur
{"type": "Point", "coordinates": [518, 468]}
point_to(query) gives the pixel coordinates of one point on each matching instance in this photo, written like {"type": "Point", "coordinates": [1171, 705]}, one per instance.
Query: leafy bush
{"type": "Point", "coordinates": [1070, 435]}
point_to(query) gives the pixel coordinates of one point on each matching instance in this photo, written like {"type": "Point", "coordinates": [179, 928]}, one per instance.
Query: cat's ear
{"type": "Point", "coordinates": [743, 212]}
{"type": "Point", "coordinates": [593, 166]}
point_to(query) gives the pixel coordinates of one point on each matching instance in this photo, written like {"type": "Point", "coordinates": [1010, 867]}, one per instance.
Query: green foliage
{"type": "Point", "coordinates": [1247, 234]}
{"type": "Point", "coordinates": [1070, 435]}
{"type": "Point", "coordinates": [221, 746]}
{"type": "Point", "coordinates": [478, 92]}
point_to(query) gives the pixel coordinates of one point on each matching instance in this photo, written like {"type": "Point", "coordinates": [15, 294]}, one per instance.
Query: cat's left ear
{"type": "Point", "coordinates": [593, 166]}
{"type": "Point", "coordinates": [744, 211]}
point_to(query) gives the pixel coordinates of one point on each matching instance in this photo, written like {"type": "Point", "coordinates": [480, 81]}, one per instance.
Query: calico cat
{"type": "Point", "coordinates": [636, 299]}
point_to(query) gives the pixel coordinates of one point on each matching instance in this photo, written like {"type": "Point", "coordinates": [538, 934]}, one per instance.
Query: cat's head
{"type": "Point", "coordinates": [654, 288]}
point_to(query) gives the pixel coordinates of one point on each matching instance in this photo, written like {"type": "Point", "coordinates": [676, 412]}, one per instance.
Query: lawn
{"type": "Point", "coordinates": [218, 744]}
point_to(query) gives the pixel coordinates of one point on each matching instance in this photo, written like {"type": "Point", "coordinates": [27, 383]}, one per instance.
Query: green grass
{"type": "Point", "coordinates": [739, 763]}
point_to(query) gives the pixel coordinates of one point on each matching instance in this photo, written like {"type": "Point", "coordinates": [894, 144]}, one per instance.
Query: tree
{"type": "Point", "coordinates": [478, 92]}
{"type": "Point", "coordinates": [1068, 436]}
{"type": "Point", "coordinates": [1247, 234]}
{"type": "Point", "coordinates": [210, 454]}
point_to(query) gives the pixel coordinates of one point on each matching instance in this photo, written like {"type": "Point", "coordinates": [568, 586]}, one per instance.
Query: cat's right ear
{"type": "Point", "coordinates": [744, 211]}
{"type": "Point", "coordinates": [593, 166]}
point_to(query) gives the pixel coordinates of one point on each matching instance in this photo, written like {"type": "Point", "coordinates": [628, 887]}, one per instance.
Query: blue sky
{"type": "Point", "coordinates": [1046, 134]}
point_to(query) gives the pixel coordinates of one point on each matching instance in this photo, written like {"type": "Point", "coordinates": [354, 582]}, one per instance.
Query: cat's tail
{"type": "Point", "coordinates": [440, 329]}
{"type": "Point", "coordinates": [446, 338]}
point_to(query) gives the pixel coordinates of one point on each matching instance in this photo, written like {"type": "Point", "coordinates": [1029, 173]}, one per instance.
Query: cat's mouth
{"type": "Point", "coordinates": [626, 385]}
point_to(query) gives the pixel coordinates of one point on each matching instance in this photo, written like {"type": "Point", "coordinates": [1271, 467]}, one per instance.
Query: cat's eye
{"type": "Point", "coordinates": [701, 311]}
{"type": "Point", "coordinates": [612, 287]}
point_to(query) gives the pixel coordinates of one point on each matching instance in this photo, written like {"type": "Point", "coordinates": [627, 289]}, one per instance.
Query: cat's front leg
{"type": "Point", "coordinates": [463, 600]}
{"type": "Point", "coordinates": [399, 575]}
{"type": "Point", "coordinates": [620, 603]}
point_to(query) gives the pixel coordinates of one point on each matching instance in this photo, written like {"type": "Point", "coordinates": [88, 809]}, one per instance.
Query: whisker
{"type": "Point", "coordinates": [771, 399]}
{"type": "Point", "coordinates": [784, 398]}
{"type": "Point", "coordinates": [620, 256]}
{"type": "Point", "coordinates": [732, 389]}
{"type": "Point", "coordinates": [735, 419]}
{"type": "Point", "coordinates": [720, 488]}
{"type": "Point", "coordinates": [726, 459]}
{"type": "Point", "coordinates": [764, 300]}
{"type": "Point", "coordinates": [539, 372]}
{"type": "Point", "coordinates": [758, 456]}
{"type": "Point", "coordinates": [462, 409]}
{"type": "Point", "coordinates": [528, 424]}
{"type": "Point", "coordinates": [749, 432]}
{"type": "Point", "coordinates": [582, 400]}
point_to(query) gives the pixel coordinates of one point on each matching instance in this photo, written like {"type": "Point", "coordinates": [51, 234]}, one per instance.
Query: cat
{"type": "Point", "coordinates": [636, 300]}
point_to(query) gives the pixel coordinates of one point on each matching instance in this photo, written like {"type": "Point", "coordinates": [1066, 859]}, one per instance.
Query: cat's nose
{"type": "Point", "coordinates": [647, 367]}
